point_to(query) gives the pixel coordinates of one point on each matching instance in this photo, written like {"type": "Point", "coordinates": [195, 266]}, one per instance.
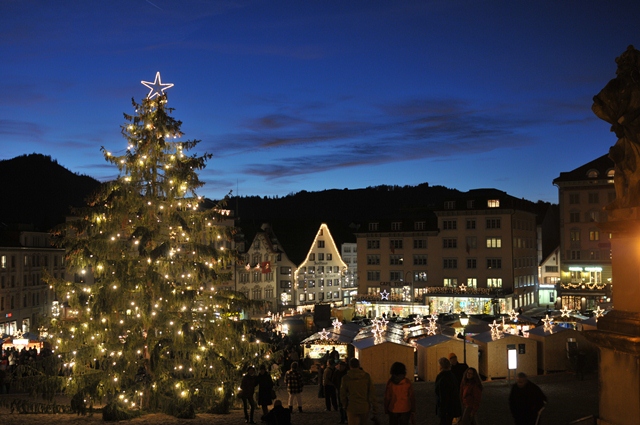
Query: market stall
{"type": "Point", "coordinates": [556, 345]}
{"type": "Point", "coordinates": [494, 351]}
{"type": "Point", "coordinates": [432, 348]}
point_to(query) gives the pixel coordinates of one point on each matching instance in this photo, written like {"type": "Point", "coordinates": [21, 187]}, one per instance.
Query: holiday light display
{"type": "Point", "coordinates": [154, 330]}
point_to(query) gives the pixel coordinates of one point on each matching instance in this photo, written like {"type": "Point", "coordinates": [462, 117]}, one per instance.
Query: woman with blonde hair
{"type": "Point", "coordinates": [470, 395]}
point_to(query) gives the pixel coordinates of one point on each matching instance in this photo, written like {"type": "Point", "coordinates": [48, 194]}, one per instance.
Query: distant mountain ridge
{"type": "Point", "coordinates": [38, 191]}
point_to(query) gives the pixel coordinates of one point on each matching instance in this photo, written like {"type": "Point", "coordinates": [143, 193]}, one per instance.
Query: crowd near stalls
{"type": "Point", "coordinates": [433, 348]}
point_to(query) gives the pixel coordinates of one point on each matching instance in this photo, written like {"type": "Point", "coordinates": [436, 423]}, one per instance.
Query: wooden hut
{"type": "Point", "coordinates": [339, 338]}
{"type": "Point", "coordinates": [431, 348]}
{"type": "Point", "coordinates": [377, 354]}
{"type": "Point", "coordinates": [493, 354]}
{"type": "Point", "coordinates": [554, 345]}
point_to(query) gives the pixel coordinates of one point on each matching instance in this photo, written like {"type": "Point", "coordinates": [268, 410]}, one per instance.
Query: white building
{"type": "Point", "coordinates": [549, 278]}
{"type": "Point", "coordinates": [349, 252]}
{"type": "Point", "coordinates": [319, 276]}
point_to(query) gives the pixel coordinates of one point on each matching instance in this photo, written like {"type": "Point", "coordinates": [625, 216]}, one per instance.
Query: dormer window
{"type": "Point", "coordinates": [593, 174]}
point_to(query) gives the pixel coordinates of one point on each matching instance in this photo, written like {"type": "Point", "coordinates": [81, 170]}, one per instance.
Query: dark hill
{"type": "Point", "coordinates": [37, 191]}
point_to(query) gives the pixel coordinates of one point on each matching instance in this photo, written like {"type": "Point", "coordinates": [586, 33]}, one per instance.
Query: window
{"type": "Point", "coordinates": [449, 281]}
{"type": "Point", "coordinates": [395, 260]}
{"type": "Point", "coordinates": [311, 296]}
{"type": "Point", "coordinates": [346, 249]}
{"type": "Point", "coordinates": [574, 198]}
{"type": "Point", "coordinates": [320, 244]}
{"type": "Point", "coordinates": [472, 243]}
{"type": "Point", "coordinates": [373, 275]}
{"type": "Point", "coordinates": [285, 270]}
{"type": "Point", "coordinates": [419, 225]}
{"type": "Point", "coordinates": [373, 260]}
{"type": "Point", "coordinates": [592, 174]}
{"type": "Point", "coordinates": [449, 224]}
{"type": "Point", "coordinates": [493, 223]}
{"type": "Point", "coordinates": [593, 216]}
{"type": "Point", "coordinates": [494, 263]}
{"type": "Point", "coordinates": [594, 198]}
{"type": "Point", "coordinates": [256, 293]}
{"type": "Point", "coordinates": [268, 293]}
{"type": "Point", "coordinates": [493, 203]}
{"type": "Point", "coordinates": [311, 284]}
{"type": "Point", "coordinates": [574, 255]}
{"type": "Point", "coordinates": [449, 205]}
{"type": "Point", "coordinates": [312, 257]}
{"type": "Point", "coordinates": [395, 244]}
{"type": "Point", "coordinates": [494, 242]}
{"type": "Point", "coordinates": [574, 217]}
{"type": "Point", "coordinates": [320, 256]}
{"type": "Point", "coordinates": [420, 276]}
{"type": "Point", "coordinates": [419, 244]}
{"type": "Point", "coordinates": [574, 235]}
{"type": "Point", "coordinates": [551, 269]}
{"type": "Point", "coordinates": [329, 257]}
{"type": "Point", "coordinates": [285, 284]}
{"type": "Point", "coordinates": [395, 276]}
{"type": "Point", "coordinates": [257, 277]}
{"type": "Point", "coordinates": [3, 261]}
{"type": "Point", "coordinates": [472, 282]}
{"type": "Point", "coordinates": [373, 227]}
{"type": "Point", "coordinates": [449, 263]}
{"type": "Point", "coordinates": [419, 260]}
{"type": "Point", "coordinates": [494, 282]}
{"type": "Point", "coordinates": [472, 263]}
{"type": "Point", "coordinates": [302, 297]}
{"type": "Point", "coordinates": [471, 204]}
{"type": "Point", "coordinates": [594, 235]}
{"type": "Point", "coordinates": [396, 226]}
{"type": "Point", "coordinates": [449, 243]}
{"type": "Point", "coordinates": [321, 269]}
{"type": "Point", "coordinates": [471, 224]}
{"type": "Point", "coordinates": [373, 244]}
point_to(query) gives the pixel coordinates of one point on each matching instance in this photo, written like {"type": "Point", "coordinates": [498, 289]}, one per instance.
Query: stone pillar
{"type": "Point", "coordinates": [618, 332]}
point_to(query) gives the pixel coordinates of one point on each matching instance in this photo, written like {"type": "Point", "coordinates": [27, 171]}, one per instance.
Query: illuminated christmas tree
{"type": "Point", "coordinates": [153, 331]}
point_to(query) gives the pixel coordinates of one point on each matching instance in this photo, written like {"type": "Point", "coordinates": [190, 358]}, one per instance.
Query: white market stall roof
{"type": "Point", "coordinates": [547, 331]}
{"type": "Point", "coordinates": [371, 341]}
{"type": "Point", "coordinates": [430, 341]}
{"type": "Point", "coordinates": [342, 335]}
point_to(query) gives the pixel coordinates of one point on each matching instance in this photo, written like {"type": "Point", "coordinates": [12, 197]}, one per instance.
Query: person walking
{"type": "Point", "coordinates": [330, 393]}
{"type": "Point", "coordinates": [447, 393]}
{"type": "Point", "coordinates": [526, 401]}
{"type": "Point", "coordinates": [399, 398]}
{"type": "Point", "coordinates": [247, 388]}
{"type": "Point", "coordinates": [470, 395]}
{"type": "Point", "coordinates": [457, 368]}
{"type": "Point", "coordinates": [358, 395]}
{"type": "Point", "coordinates": [265, 389]}
{"type": "Point", "coordinates": [341, 371]}
{"type": "Point", "coordinates": [294, 384]}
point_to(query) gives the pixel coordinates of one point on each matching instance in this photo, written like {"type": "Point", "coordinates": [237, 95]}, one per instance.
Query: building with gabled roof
{"type": "Point", "coordinates": [318, 278]}
{"type": "Point", "coordinates": [268, 273]}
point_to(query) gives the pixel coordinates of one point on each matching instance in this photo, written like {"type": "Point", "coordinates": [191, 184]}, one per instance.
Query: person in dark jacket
{"type": "Point", "coordinates": [265, 388]}
{"type": "Point", "coordinates": [447, 393]}
{"type": "Point", "coordinates": [330, 393]}
{"type": "Point", "coordinates": [457, 368]}
{"type": "Point", "coordinates": [247, 388]}
{"type": "Point", "coordinates": [526, 401]}
{"type": "Point", "coordinates": [341, 371]}
{"type": "Point", "coordinates": [279, 415]}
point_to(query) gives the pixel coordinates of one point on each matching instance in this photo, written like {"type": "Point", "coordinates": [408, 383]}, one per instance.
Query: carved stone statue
{"type": "Point", "coordinates": [618, 103]}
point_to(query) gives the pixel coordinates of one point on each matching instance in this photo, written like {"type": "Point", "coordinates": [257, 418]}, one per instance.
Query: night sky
{"type": "Point", "coordinates": [312, 95]}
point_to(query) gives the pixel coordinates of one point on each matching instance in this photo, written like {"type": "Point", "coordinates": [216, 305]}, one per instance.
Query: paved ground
{"type": "Point", "coordinates": [569, 399]}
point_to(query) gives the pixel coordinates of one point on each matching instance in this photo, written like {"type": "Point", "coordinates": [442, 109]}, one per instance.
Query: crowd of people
{"type": "Point", "coordinates": [349, 390]}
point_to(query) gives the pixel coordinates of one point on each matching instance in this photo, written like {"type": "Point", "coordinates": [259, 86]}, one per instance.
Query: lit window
{"type": "Point", "coordinates": [493, 203]}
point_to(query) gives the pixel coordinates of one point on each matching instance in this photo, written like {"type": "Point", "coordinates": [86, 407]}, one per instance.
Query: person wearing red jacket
{"type": "Point", "coordinates": [399, 398]}
{"type": "Point", "coordinates": [470, 396]}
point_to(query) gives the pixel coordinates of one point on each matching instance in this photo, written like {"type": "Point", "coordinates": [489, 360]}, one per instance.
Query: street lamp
{"type": "Point", "coordinates": [464, 321]}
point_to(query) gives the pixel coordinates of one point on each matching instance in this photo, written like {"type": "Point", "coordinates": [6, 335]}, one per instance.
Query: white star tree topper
{"type": "Point", "coordinates": [156, 88]}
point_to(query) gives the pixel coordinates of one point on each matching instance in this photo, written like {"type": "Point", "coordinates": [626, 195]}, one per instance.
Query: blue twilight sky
{"type": "Point", "coordinates": [320, 94]}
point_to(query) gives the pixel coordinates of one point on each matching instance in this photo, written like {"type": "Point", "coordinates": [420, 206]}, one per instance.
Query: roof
{"type": "Point", "coordinates": [601, 165]}
{"type": "Point", "coordinates": [371, 341]}
{"type": "Point", "coordinates": [430, 341]}
{"type": "Point", "coordinates": [545, 332]}
{"type": "Point", "coordinates": [487, 337]}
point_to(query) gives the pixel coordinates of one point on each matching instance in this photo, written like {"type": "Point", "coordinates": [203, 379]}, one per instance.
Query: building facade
{"type": "Point", "coordinates": [585, 271]}
{"type": "Point", "coordinates": [25, 257]}
{"type": "Point", "coordinates": [478, 255]}
{"type": "Point", "coordinates": [349, 253]}
{"type": "Point", "coordinates": [549, 279]}
{"type": "Point", "coordinates": [268, 273]}
{"type": "Point", "coordinates": [319, 277]}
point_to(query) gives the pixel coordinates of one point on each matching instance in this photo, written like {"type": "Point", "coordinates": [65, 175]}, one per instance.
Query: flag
{"type": "Point", "coordinates": [265, 266]}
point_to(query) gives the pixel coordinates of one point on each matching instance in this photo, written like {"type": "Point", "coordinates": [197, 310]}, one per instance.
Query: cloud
{"type": "Point", "coordinates": [21, 129]}
{"type": "Point", "coordinates": [291, 145]}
